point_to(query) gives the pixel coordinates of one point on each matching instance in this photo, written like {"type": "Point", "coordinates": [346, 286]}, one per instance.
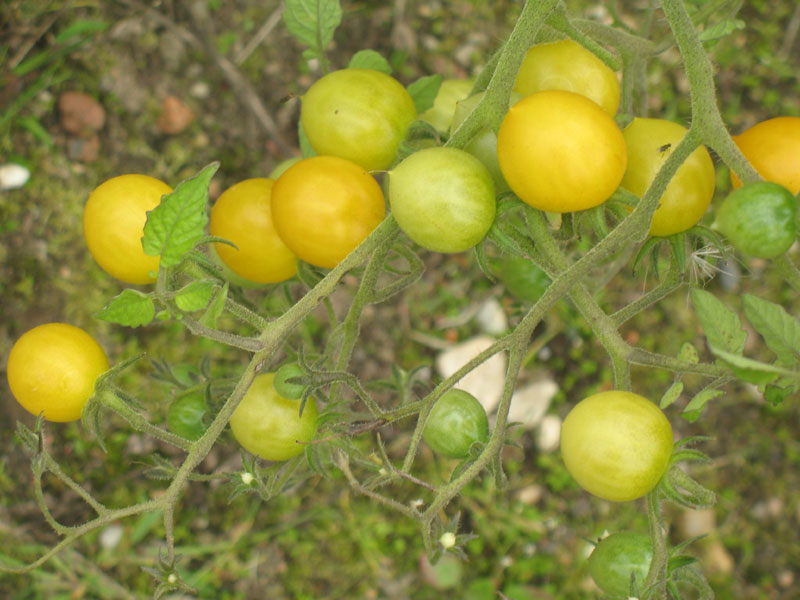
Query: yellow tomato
{"type": "Point", "coordinates": [773, 148]}
{"type": "Point", "coordinates": [325, 206]}
{"type": "Point", "coordinates": [52, 369]}
{"type": "Point", "coordinates": [243, 215]}
{"type": "Point", "coordinates": [684, 202]}
{"type": "Point", "coordinates": [113, 225]}
{"type": "Point", "coordinates": [561, 152]}
{"type": "Point", "coordinates": [566, 65]}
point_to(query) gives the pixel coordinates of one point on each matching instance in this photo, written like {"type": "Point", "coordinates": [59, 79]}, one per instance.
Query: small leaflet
{"type": "Point", "coordinates": [312, 23]}
{"type": "Point", "coordinates": [671, 395]}
{"type": "Point", "coordinates": [780, 330]}
{"type": "Point", "coordinates": [130, 308]}
{"type": "Point", "coordinates": [423, 91]}
{"type": "Point", "coordinates": [195, 296]}
{"type": "Point", "coordinates": [722, 326]}
{"type": "Point", "coordinates": [369, 59]}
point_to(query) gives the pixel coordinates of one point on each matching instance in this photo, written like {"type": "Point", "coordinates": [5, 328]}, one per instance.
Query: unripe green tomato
{"type": "Point", "coordinates": [358, 114]}
{"type": "Point", "coordinates": [759, 219]}
{"type": "Point", "coordinates": [566, 65]}
{"type": "Point", "coordinates": [444, 105]}
{"type": "Point", "coordinates": [269, 425]}
{"type": "Point", "coordinates": [616, 557]}
{"type": "Point", "coordinates": [523, 278]}
{"type": "Point", "coordinates": [185, 415]}
{"type": "Point", "coordinates": [442, 198]}
{"type": "Point", "coordinates": [455, 423]}
{"type": "Point", "coordinates": [684, 202]}
{"type": "Point", "coordinates": [616, 445]}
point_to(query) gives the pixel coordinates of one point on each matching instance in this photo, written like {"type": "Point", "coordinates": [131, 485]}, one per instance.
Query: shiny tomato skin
{"type": "Point", "coordinates": [616, 445]}
{"type": "Point", "coordinates": [52, 369]}
{"type": "Point", "coordinates": [561, 152]}
{"type": "Point", "coordinates": [270, 426]}
{"type": "Point", "coordinates": [617, 556]}
{"type": "Point", "coordinates": [243, 215]}
{"type": "Point", "coordinates": [566, 65]}
{"type": "Point", "coordinates": [689, 193]}
{"type": "Point", "coordinates": [773, 148]}
{"type": "Point", "coordinates": [456, 422]}
{"type": "Point", "coordinates": [325, 206]}
{"type": "Point", "coordinates": [442, 198]}
{"type": "Point", "coordinates": [358, 114]}
{"type": "Point", "coordinates": [113, 225]}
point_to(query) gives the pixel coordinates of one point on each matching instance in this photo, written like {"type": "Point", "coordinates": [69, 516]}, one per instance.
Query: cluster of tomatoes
{"type": "Point", "coordinates": [558, 148]}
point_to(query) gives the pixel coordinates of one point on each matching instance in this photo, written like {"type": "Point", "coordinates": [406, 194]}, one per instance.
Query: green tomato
{"type": "Point", "coordinates": [523, 278]}
{"type": "Point", "coordinates": [684, 202]}
{"type": "Point", "coordinates": [293, 391]}
{"type": "Point", "coordinates": [759, 219]}
{"type": "Point", "coordinates": [442, 198]}
{"type": "Point", "coordinates": [185, 415]}
{"type": "Point", "coordinates": [271, 426]}
{"type": "Point", "coordinates": [358, 114]}
{"type": "Point", "coordinates": [616, 445]}
{"type": "Point", "coordinates": [444, 105]}
{"type": "Point", "coordinates": [618, 556]}
{"type": "Point", "coordinates": [455, 423]}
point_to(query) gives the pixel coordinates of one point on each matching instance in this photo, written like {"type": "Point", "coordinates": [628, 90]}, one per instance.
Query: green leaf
{"type": "Point", "coordinates": [369, 59]}
{"type": "Point", "coordinates": [306, 149]}
{"type": "Point", "coordinates": [178, 222]}
{"type": "Point", "coordinates": [696, 404]}
{"type": "Point", "coordinates": [779, 329]}
{"type": "Point", "coordinates": [689, 353]}
{"type": "Point", "coordinates": [721, 29]}
{"type": "Point", "coordinates": [131, 308]}
{"type": "Point", "coordinates": [423, 91]}
{"type": "Point", "coordinates": [671, 395]}
{"type": "Point", "coordinates": [312, 23]}
{"type": "Point", "coordinates": [214, 311]}
{"type": "Point", "coordinates": [722, 326]}
{"type": "Point", "coordinates": [751, 370]}
{"type": "Point", "coordinates": [80, 27]}
{"type": "Point", "coordinates": [195, 296]}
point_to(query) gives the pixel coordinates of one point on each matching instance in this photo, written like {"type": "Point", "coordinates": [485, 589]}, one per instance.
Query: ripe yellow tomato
{"type": "Point", "coordinates": [325, 206]}
{"type": "Point", "coordinates": [773, 148]}
{"type": "Point", "coordinates": [684, 202]}
{"type": "Point", "coordinates": [113, 225]}
{"type": "Point", "coordinates": [358, 114]}
{"type": "Point", "coordinates": [52, 369]}
{"type": "Point", "coordinates": [561, 152]}
{"type": "Point", "coordinates": [243, 215]}
{"type": "Point", "coordinates": [566, 65]}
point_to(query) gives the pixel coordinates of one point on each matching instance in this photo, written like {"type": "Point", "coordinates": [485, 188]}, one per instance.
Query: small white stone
{"type": "Point", "coordinates": [484, 382]}
{"type": "Point", "coordinates": [548, 437]}
{"type": "Point", "coordinates": [13, 176]}
{"type": "Point", "coordinates": [492, 318]}
{"type": "Point", "coordinates": [111, 536]}
{"type": "Point", "coordinates": [530, 403]}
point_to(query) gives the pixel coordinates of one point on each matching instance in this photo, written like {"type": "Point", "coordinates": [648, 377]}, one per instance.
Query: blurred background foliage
{"type": "Point", "coordinates": [320, 540]}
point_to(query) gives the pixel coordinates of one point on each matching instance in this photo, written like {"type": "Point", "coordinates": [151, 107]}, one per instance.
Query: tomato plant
{"type": "Point", "coordinates": [442, 198]}
{"type": "Point", "coordinates": [760, 219]}
{"type": "Point", "coordinates": [113, 225]}
{"type": "Point", "coordinates": [271, 426]}
{"type": "Point", "coordinates": [358, 114]}
{"type": "Point", "coordinates": [324, 206]}
{"type": "Point", "coordinates": [684, 202]}
{"type": "Point", "coordinates": [455, 423]}
{"type": "Point", "coordinates": [773, 148]}
{"type": "Point", "coordinates": [185, 415]}
{"type": "Point", "coordinates": [561, 152]}
{"type": "Point", "coordinates": [293, 391]}
{"type": "Point", "coordinates": [451, 91]}
{"type": "Point", "coordinates": [566, 65]}
{"type": "Point", "coordinates": [243, 215]}
{"type": "Point", "coordinates": [616, 445]}
{"type": "Point", "coordinates": [52, 369]}
{"type": "Point", "coordinates": [617, 558]}
{"type": "Point", "coordinates": [523, 278]}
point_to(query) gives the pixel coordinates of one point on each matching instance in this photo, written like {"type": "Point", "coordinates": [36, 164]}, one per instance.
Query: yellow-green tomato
{"type": "Point", "coordinates": [566, 65]}
{"type": "Point", "coordinates": [270, 426]}
{"type": "Point", "coordinates": [52, 369]}
{"type": "Point", "coordinates": [113, 225]}
{"type": "Point", "coordinates": [444, 105]}
{"type": "Point", "coordinates": [243, 215]}
{"type": "Point", "coordinates": [686, 199]}
{"type": "Point", "coordinates": [325, 206]}
{"type": "Point", "coordinates": [561, 152]}
{"type": "Point", "coordinates": [456, 422]}
{"type": "Point", "coordinates": [442, 198]}
{"type": "Point", "coordinates": [616, 445]}
{"type": "Point", "coordinates": [358, 114]}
